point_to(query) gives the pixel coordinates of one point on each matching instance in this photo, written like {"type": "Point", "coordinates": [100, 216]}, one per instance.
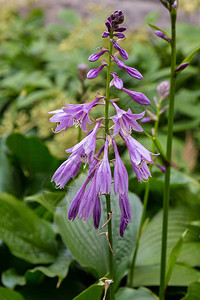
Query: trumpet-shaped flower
{"type": "Point", "coordinates": [139, 155]}
{"type": "Point", "coordinates": [126, 121]}
{"type": "Point", "coordinates": [125, 213]}
{"type": "Point", "coordinates": [103, 176]}
{"type": "Point", "coordinates": [73, 114]}
{"type": "Point", "coordinates": [131, 71]}
{"type": "Point", "coordinates": [82, 152]}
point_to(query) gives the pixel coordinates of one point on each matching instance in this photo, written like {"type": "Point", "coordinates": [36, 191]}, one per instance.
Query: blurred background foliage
{"type": "Point", "coordinates": [39, 73]}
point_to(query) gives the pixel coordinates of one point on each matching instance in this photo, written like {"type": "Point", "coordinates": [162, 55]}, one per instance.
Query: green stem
{"type": "Point", "coordinates": [145, 202]}
{"type": "Point", "coordinates": [169, 154]}
{"type": "Point", "coordinates": [108, 202]}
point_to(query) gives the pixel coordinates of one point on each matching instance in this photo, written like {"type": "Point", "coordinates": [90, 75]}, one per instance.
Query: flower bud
{"type": "Point", "coordinates": [182, 67]}
{"type": "Point", "coordinates": [82, 72]}
{"type": "Point", "coordinates": [162, 35]}
{"type": "Point", "coordinates": [163, 89]}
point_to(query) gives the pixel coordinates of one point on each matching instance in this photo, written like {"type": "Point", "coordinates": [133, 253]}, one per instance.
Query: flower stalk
{"type": "Point", "coordinates": [169, 153]}
{"type": "Point", "coordinates": [108, 202]}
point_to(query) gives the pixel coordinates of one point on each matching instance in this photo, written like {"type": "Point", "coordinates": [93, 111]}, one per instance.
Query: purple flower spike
{"type": "Point", "coordinates": [137, 97]}
{"type": "Point", "coordinates": [95, 72]}
{"type": "Point", "coordinates": [117, 82]}
{"type": "Point", "coordinates": [162, 35]}
{"type": "Point", "coordinates": [103, 177]}
{"type": "Point", "coordinates": [105, 34]}
{"type": "Point", "coordinates": [96, 56]}
{"type": "Point", "coordinates": [120, 35]}
{"type": "Point", "coordinates": [122, 52]}
{"type": "Point", "coordinates": [126, 213]}
{"type": "Point", "coordinates": [126, 121]}
{"type": "Point", "coordinates": [120, 174]}
{"type": "Point", "coordinates": [131, 71]}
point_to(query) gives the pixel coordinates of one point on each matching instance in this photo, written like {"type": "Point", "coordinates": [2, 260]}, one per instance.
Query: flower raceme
{"type": "Point", "coordinates": [87, 200]}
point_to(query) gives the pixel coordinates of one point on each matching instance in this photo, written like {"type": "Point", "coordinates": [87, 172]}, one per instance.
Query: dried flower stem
{"type": "Point", "coordinates": [108, 202]}
{"type": "Point", "coordinates": [169, 154]}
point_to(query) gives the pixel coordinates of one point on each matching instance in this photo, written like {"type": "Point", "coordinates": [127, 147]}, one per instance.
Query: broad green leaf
{"type": "Point", "coordinates": [173, 257]}
{"type": "Point", "coordinates": [59, 268]}
{"type": "Point", "coordinates": [148, 258]}
{"type": "Point", "coordinates": [27, 236]}
{"type": "Point", "coordinates": [95, 291]}
{"type": "Point", "coordinates": [10, 279]}
{"type": "Point", "coordinates": [193, 292]}
{"type": "Point", "coordinates": [48, 199]}
{"type": "Point", "coordinates": [139, 294]}
{"type": "Point", "coordinates": [7, 294]}
{"type": "Point", "coordinates": [33, 97]}
{"type": "Point", "coordinates": [90, 249]}
{"type": "Point", "coordinates": [149, 275]}
{"type": "Point", "coordinates": [32, 155]}
{"type": "Point", "coordinates": [10, 176]}
{"type": "Point", "coordinates": [189, 58]}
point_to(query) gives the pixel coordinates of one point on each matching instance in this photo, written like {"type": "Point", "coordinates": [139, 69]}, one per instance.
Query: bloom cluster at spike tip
{"type": "Point", "coordinates": [87, 200]}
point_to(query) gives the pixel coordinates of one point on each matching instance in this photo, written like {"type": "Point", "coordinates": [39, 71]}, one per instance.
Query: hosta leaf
{"type": "Point", "coordinates": [90, 249]}
{"type": "Point", "coordinates": [10, 278]}
{"type": "Point", "coordinates": [93, 292]}
{"type": "Point", "coordinates": [7, 294]}
{"type": "Point", "coordinates": [32, 155]}
{"type": "Point", "coordinates": [139, 294]}
{"type": "Point", "coordinates": [148, 259]}
{"type": "Point", "coordinates": [59, 268]}
{"type": "Point", "coordinates": [27, 236]}
{"type": "Point", "coordinates": [193, 292]}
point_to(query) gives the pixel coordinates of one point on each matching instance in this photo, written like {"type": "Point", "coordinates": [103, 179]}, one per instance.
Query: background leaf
{"type": "Point", "coordinates": [93, 292]}
{"type": "Point", "coordinates": [193, 292]}
{"type": "Point", "coordinates": [139, 294]}
{"type": "Point", "coordinates": [10, 278]}
{"type": "Point", "coordinates": [27, 236]}
{"type": "Point", "coordinates": [7, 294]}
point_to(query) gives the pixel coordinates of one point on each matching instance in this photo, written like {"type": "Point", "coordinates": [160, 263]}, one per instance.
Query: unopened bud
{"type": "Point", "coordinates": [162, 35]}
{"type": "Point", "coordinates": [182, 67]}
{"type": "Point", "coordinates": [163, 89]}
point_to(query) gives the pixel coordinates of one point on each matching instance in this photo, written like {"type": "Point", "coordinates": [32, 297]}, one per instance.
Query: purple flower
{"type": "Point", "coordinates": [73, 114]}
{"type": "Point", "coordinates": [146, 120]}
{"type": "Point", "coordinates": [105, 34]}
{"type": "Point", "coordinates": [126, 213]}
{"type": "Point", "coordinates": [67, 170]}
{"type": "Point", "coordinates": [116, 81]}
{"type": "Point", "coordinates": [182, 67]}
{"type": "Point", "coordinates": [137, 97]}
{"type": "Point", "coordinates": [163, 89]}
{"type": "Point", "coordinates": [175, 5]}
{"type": "Point", "coordinates": [131, 71]}
{"type": "Point", "coordinates": [120, 35]}
{"type": "Point", "coordinates": [82, 152]}
{"type": "Point", "coordinates": [74, 206]}
{"type": "Point", "coordinates": [139, 155]}
{"type": "Point", "coordinates": [162, 35]}
{"type": "Point", "coordinates": [126, 121]}
{"type": "Point", "coordinates": [95, 72]}
{"type": "Point", "coordinates": [103, 177]}
{"type": "Point", "coordinates": [121, 29]}
{"type": "Point", "coordinates": [120, 174]}
{"type": "Point", "coordinates": [122, 52]}
{"type": "Point", "coordinates": [96, 56]}
{"type": "Point", "coordinates": [91, 203]}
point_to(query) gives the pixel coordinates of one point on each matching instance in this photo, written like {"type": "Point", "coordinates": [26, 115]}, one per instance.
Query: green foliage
{"type": "Point", "coordinates": [193, 292]}
{"type": "Point", "coordinates": [7, 294]}
{"type": "Point", "coordinates": [93, 292]}
{"type": "Point", "coordinates": [27, 236]}
{"type": "Point", "coordinates": [133, 294]}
